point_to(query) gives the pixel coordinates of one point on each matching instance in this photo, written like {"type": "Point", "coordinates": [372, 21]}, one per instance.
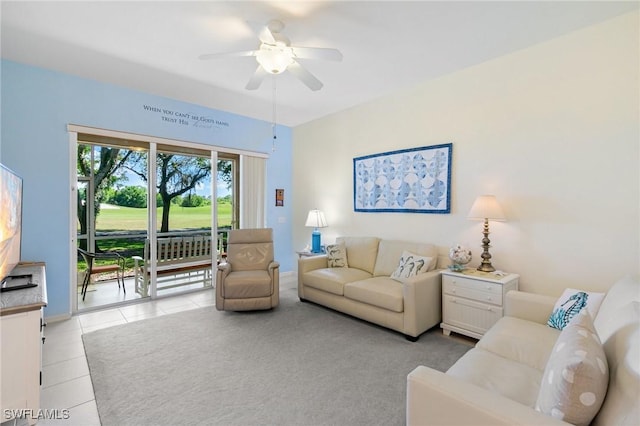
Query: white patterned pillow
{"type": "Point", "coordinates": [337, 256]}
{"type": "Point", "coordinates": [576, 377]}
{"type": "Point", "coordinates": [570, 303]}
{"type": "Point", "coordinates": [410, 265]}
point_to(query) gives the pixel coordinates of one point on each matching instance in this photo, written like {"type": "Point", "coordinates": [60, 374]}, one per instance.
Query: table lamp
{"type": "Point", "coordinates": [316, 220]}
{"type": "Point", "coordinates": [486, 208]}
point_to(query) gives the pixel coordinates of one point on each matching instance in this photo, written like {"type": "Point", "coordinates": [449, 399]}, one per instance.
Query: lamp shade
{"type": "Point", "coordinates": [316, 219]}
{"type": "Point", "coordinates": [486, 207]}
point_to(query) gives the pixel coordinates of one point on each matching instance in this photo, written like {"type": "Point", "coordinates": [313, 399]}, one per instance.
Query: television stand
{"type": "Point", "coordinates": [22, 325]}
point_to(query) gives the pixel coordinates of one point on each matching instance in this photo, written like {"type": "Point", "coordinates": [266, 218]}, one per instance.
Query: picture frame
{"type": "Point", "coordinates": [279, 197]}
{"type": "Point", "coordinates": [412, 180]}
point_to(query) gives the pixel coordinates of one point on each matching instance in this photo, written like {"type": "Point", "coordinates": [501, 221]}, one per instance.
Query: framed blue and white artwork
{"type": "Point", "coordinates": [414, 180]}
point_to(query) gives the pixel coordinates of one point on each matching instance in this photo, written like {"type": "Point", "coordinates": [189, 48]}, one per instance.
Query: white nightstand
{"type": "Point", "coordinates": [472, 301]}
{"type": "Point", "coordinates": [302, 254]}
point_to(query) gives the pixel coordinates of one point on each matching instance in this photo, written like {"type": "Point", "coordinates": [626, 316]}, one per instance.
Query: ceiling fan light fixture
{"type": "Point", "coordinates": [274, 59]}
{"type": "Point", "coordinates": [276, 55]}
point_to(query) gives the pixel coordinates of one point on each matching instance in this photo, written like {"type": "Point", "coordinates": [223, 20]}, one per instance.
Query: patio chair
{"type": "Point", "coordinates": [93, 269]}
{"type": "Point", "coordinates": [250, 279]}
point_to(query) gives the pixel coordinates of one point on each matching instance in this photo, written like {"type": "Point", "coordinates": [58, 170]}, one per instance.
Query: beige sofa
{"type": "Point", "coordinates": [365, 290]}
{"type": "Point", "coordinates": [497, 382]}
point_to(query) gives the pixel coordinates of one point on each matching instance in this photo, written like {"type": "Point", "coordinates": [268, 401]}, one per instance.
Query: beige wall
{"type": "Point", "coordinates": [552, 131]}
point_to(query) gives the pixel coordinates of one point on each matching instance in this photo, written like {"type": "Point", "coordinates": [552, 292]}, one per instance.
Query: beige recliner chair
{"type": "Point", "coordinates": [250, 280]}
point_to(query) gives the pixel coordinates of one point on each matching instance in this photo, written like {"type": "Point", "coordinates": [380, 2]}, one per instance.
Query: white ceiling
{"type": "Point", "coordinates": [153, 46]}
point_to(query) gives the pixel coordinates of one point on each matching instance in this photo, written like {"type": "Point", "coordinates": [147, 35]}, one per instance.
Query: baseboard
{"type": "Point", "coordinates": [57, 318]}
{"type": "Point", "coordinates": [288, 274]}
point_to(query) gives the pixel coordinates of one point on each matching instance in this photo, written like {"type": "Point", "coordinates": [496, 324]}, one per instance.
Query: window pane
{"type": "Point", "coordinates": [183, 193]}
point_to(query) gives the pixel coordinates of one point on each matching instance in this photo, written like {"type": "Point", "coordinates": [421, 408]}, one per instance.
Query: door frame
{"type": "Point", "coordinates": [153, 142]}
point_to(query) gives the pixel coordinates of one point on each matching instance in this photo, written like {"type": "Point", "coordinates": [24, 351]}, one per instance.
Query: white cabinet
{"type": "Point", "coordinates": [21, 361]}
{"type": "Point", "coordinates": [21, 336]}
{"type": "Point", "coordinates": [472, 301]}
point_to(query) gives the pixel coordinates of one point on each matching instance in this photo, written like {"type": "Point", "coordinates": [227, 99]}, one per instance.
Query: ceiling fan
{"type": "Point", "coordinates": [276, 55]}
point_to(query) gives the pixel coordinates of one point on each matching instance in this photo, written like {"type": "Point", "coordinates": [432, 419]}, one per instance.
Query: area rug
{"type": "Point", "coordinates": [299, 364]}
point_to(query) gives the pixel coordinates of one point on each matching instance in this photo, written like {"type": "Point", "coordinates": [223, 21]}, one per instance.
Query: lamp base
{"type": "Point", "coordinates": [486, 267]}
{"type": "Point", "coordinates": [315, 242]}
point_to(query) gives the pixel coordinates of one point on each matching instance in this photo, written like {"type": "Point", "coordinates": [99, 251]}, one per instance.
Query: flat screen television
{"type": "Point", "coordinates": [10, 221]}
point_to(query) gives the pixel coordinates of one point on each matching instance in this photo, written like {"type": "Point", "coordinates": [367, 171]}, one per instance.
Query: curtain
{"type": "Point", "coordinates": [253, 181]}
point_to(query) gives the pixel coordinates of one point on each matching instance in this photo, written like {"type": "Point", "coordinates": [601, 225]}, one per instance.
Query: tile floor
{"type": "Point", "coordinates": [66, 383]}
{"type": "Point", "coordinates": [108, 292]}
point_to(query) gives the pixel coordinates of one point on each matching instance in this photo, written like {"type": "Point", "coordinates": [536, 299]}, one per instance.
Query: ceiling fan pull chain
{"type": "Point", "coordinates": [273, 125]}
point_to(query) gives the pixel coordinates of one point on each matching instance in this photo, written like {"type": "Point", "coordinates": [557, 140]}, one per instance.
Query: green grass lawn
{"type": "Point", "coordinates": [131, 219]}
{"type": "Point", "coordinates": [125, 219]}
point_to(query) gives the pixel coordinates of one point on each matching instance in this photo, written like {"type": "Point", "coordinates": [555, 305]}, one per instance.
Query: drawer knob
{"type": "Point", "coordinates": [489, 298]}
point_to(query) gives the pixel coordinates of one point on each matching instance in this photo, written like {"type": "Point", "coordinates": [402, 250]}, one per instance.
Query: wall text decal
{"type": "Point", "coordinates": [184, 118]}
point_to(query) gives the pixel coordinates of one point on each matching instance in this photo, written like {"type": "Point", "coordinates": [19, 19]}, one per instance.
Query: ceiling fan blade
{"type": "Point", "coordinates": [227, 55]}
{"type": "Point", "coordinates": [262, 31]}
{"type": "Point", "coordinates": [266, 36]}
{"type": "Point", "coordinates": [317, 53]}
{"type": "Point", "coordinates": [256, 79]}
{"type": "Point", "coordinates": [305, 76]}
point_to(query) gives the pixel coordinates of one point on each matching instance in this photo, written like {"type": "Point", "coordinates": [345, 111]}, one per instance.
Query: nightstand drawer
{"type": "Point", "coordinates": [472, 283]}
{"type": "Point", "coordinates": [475, 295]}
{"type": "Point", "coordinates": [469, 315]}
{"type": "Point", "coordinates": [473, 289]}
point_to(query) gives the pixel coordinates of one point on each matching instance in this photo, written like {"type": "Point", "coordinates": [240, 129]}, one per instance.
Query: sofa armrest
{"type": "Point", "coordinates": [274, 272]}
{"type": "Point", "coordinates": [435, 398]}
{"type": "Point", "coordinates": [307, 264]}
{"type": "Point", "coordinates": [422, 296]}
{"type": "Point", "coordinates": [529, 306]}
{"type": "Point", "coordinates": [223, 270]}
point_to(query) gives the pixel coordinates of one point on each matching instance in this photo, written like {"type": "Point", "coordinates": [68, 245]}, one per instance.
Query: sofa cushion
{"type": "Point", "coordinates": [337, 256]}
{"type": "Point", "coordinates": [382, 292]}
{"type": "Point", "coordinates": [618, 326]}
{"type": "Point", "coordinates": [622, 347]}
{"type": "Point", "coordinates": [390, 251]}
{"type": "Point", "coordinates": [332, 280]}
{"type": "Point", "coordinates": [520, 340]}
{"type": "Point", "coordinates": [511, 379]}
{"type": "Point", "coordinates": [410, 265]}
{"type": "Point", "coordinates": [620, 294]}
{"type": "Point", "coordinates": [246, 284]}
{"type": "Point", "coordinates": [361, 251]}
{"type": "Point", "coordinates": [575, 380]}
{"type": "Point", "coordinates": [570, 303]}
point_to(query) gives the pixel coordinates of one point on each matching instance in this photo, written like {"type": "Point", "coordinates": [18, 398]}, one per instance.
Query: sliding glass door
{"type": "Point", "coordinates": [184, 233]}
{"type": "Point", "coordinates": [152, 228]}
{"type": "Point", "coordinates": [111, 222]}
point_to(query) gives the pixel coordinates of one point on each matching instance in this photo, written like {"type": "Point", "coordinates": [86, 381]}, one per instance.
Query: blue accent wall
{"type": "Point", "coordinates": [37, 106]}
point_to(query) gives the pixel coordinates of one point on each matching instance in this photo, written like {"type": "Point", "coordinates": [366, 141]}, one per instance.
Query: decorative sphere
{"type": "Point", "coordinates": [460, 255]}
